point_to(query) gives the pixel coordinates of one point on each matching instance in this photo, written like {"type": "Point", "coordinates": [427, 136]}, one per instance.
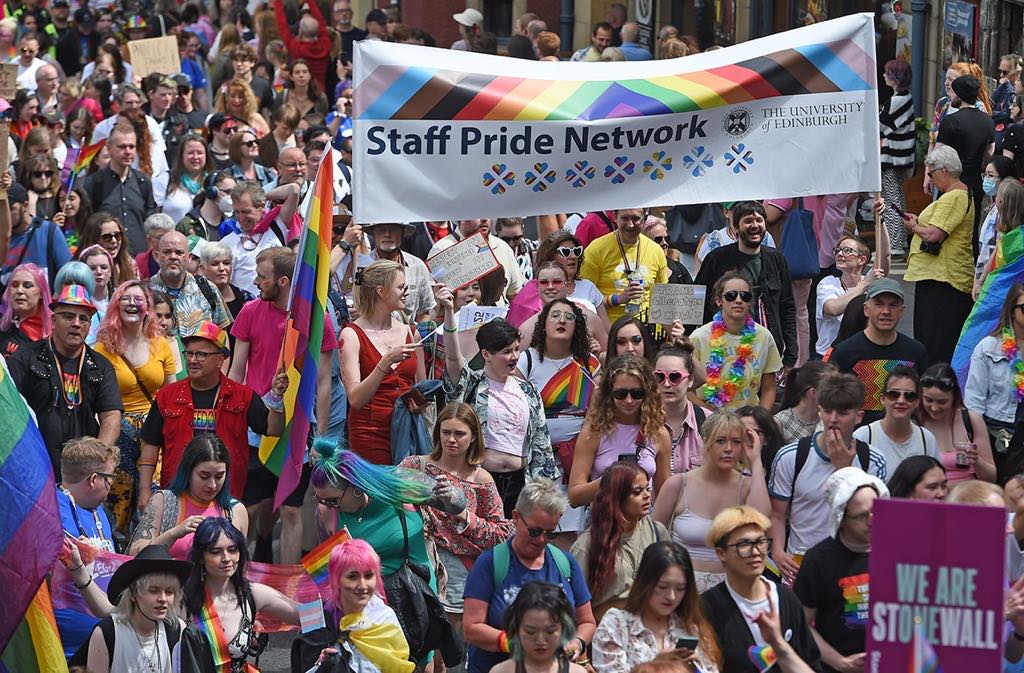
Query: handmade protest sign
{"type": "Point", "coordinates": [157, 54]}
{"type": "Point", "coordinates": [937, 569]}
{"type": "Point", "coordinates": [8, 80]}
{"type": "Point", "coordinates": [464, 262]}
{"type": "Point", "coordinates": [684, 303]}
{"type": "Point", "coordinates": [471, 315]}
{"type": "Point", "coordinates": [442, 134]}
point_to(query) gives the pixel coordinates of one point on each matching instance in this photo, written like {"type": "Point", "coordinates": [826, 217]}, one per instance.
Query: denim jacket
{"type": "Point", "coordinates": [990, 390]}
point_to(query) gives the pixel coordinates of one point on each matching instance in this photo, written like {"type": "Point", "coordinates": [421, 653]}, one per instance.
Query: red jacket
{"type": "Point", "coordinates": [175, 404]}
{"type": "Point", "coordinates": [317, 53]}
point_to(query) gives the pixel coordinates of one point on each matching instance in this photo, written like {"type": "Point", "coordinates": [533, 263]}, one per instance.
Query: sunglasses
{"type": "Point", "coordinates": [551, 282]}
{"type": "Point", "coordinates": [113, 236]}
{"type": "Point", "coordinates": [893, 395]}
{"type": "Point", "coordinates": [941, 382]}
{"type": "Point", "coordinates": [636, 340]}
{"type": "Point", "coordinates": [745, 295]}
{"type": "Point", "coordinates": [42, 174]}
{"type": "Point", "coordinates": [567, 251]}
{"type": "Point", "coordinates": [623, 393]}
{"type": "Point", "coordinates": [537, 532]}
{"type": "Point", "coordinates": [251, 143]}
{"type": "Point", "coordinates": [660, 240]}
{"type": "Point", "coordinates": [674, 377]}
{"type": "Point", "coordinates": [512, 240]}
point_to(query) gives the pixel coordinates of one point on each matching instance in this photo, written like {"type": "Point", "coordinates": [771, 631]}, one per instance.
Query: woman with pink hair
{"type": "Point", "coordinates": [26, 313]}
{"type": "Point", "coordinates": [130, 337]}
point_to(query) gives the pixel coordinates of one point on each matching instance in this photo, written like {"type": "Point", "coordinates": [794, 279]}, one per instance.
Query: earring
{"type": "Point", "coordinates": [202, 574]}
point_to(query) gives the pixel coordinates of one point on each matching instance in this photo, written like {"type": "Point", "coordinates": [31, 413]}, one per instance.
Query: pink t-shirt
{"type": "Point", "coordinates": [262, 324]}
{"type": "Point", "coordinates": [508, 417]}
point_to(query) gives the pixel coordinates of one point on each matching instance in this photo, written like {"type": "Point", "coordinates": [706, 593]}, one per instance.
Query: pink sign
{"type": "Point", "coordinates": [941, 567]}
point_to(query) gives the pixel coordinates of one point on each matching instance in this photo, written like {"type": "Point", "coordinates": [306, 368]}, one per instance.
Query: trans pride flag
{"type": "Point", "coordinates": [31, 535]}
{"type": "Point", "coordinates": [303, 337]}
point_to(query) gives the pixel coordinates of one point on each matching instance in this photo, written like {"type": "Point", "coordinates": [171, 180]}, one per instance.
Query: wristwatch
{"type": "Point", "coordinates": [344, 245]}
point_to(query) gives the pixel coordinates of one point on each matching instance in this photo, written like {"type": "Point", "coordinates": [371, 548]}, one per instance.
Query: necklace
{"type": "Point", "coordinates": [148, 664]}
{"type": "Point", "coordinates": [71, 384]}
{"type": "Point", "coordinates": [1012, 353]}
{"type": "Point", "coordinates": [719, 392]}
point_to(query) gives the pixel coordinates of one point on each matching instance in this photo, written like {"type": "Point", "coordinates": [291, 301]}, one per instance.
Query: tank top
{"type": "Point", "coordinates": [136, 654]}
{"type": "Point", "coordinates": [621, 440]}
{"type": "Point", "coordinates": [188, 506]}
{"type": "Point", "coordinates": [691, 530]}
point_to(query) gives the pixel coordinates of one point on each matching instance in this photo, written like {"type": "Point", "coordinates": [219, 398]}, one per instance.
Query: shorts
{"type": "Point", "coordinates": [261, 484]}
{"type": "Point", "coordinates": [457, 574]}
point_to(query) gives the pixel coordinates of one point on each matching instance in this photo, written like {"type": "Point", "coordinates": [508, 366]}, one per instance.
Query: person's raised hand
{"type": "Point", "coordinates": [444, 297]}
{"type": "Point", "coordinates": [770, 625]}
{"type": "Point", "coordinates": [632, 291]}
{"type": "Point", "coordinates": [6, 179]}
{"type": "Point", "coordinates": [676, 331]}
{"type": "Point", "coordinates": [353, 234]}
{"type": "Point", "coordinates": [187, 526]}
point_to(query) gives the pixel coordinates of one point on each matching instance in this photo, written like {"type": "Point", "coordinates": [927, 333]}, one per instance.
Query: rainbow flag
{"type": "Point", "coordinates": [35, 646]}
{"type": "Point", "coordinates": [31, 535]}
{"type": "Point", "coordinates": [923, 658]}
{"type": "Point", "coordinates": [303, 338]}
{"type": "Point", "coordinates": [763, 656]}
{"type": "Point", "coordinates": [77, 161]}
{"type": "Point", "coordinates": [572, 386]}
{"type": "Point", "coordinates": [1007, 269]}
{"type": "Point", "coordinates": [315, 562]}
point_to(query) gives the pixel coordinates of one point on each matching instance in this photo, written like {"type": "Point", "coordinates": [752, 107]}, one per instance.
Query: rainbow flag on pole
{"type": "Point", "coordinates": [31, 535]}
{"type": "Point", "coordinates": [315, 562]}
{"type": "Point", "coordinates": [303, 337]}
{"type": "Point", "coordinates": [35, 646]}
{"type": "Point", "coordinates": [77, 161]}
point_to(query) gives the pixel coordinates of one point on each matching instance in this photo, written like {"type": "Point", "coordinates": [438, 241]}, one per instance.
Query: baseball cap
{"type": "Point", "coordinates": [469, 18]}
{"type": "Point", "coordinates": [377, 16]}
{"type": "Point", "coordinates": [84, 17]}
{"type": "Point", "coordinates": [60, 3]}
{"type": "Point", "coordinates": [884, 286]}
{"type": "Point", "coordinates": [211, 332]}
{"type": "Point", "coordinates": [218, 119]}
{"type": "Point", "coordinates": [182, 80]}
{"type": "Point", "coordinates": [17, 193]}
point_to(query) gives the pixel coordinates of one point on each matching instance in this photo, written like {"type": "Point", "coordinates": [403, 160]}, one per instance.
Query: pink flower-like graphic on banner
{"type": "Point", "coordinates": [698, 161]}
{"type": "Point", "coordinates": [540, 177]}
{"type": "Point", "coordinates": [658, 165]}
{"type": "Point", "coordinates": [619, 169]}
{"type": "Point", "coordinates": [739, 158]}
{"type": "Point", "coordinates": [498, 177]}
{"type": "Point", "coordinates": [580, 174]}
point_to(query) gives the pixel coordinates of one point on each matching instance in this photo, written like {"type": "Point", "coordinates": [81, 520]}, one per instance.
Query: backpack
{"type": "Point", "coordinates": [803, 452]}
{"type": "Point", "coordinates": [207, 290]}
{"type": "Point", "coordinates": [502, 555]}
{"type": "Point", "coordinates": [687, 224]}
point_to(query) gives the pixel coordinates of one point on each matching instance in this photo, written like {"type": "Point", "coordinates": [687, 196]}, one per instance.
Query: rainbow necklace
{"type": "Point", "coordinates": [1012, 353]}
{"type": "Point", "coordinates": [719, 392]}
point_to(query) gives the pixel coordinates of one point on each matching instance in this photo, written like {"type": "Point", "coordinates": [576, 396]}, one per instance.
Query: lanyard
{"type": "Point", "coordinates": [60, 372]}
{"type": "Point", "coordinates": [622, 253]}
{"type": "Point", "coordinates": [78, 522]}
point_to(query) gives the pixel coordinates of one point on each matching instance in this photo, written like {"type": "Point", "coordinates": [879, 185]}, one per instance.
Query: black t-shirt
{"type": "Point", "coordinates": [263, 91]}
{"type": "Point", "coordinates": [197, 118]}
{"type": "Point", "coordinates": [834, 581]}
{"type": "Point", "coordinates": [969, 131]}
{"type": "Point", "coordinates": [348, 37]}
{"type": "Point", "coordinates": [153, 428]}
{"type": "Point", "coordinates": [1013, 140]}
{"type": "Point", "coordinates": [853, 320]}
{"type": "Point", "coordinates": [871, 362]}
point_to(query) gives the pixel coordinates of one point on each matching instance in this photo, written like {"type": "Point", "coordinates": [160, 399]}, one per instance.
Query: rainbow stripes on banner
{"type": "Point", "coordinates": [1007, 269]}
{"type": "Point", "coordinates": [35, 646]}
{"type": "Point", "coordinates": [472, 133]}
{"type": "Point", "coordinates": [304, 333]}
{"type": "Point", "coordinates": [570, 387]}
{"type": "Point", "coordinates": [315, 562]}
{"type": "Point", "coordinates": [31, 535]}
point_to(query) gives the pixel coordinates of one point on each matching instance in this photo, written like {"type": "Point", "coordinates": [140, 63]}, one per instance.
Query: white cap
{"type": "Point", "coordinates": [841, 486]}
{"type": "Point", "coordinates": [469, 18]}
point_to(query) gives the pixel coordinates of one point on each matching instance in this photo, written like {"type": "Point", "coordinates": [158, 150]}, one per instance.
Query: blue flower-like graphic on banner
{"type": "Point", "coordinates": [580, 174]}
{"type": "Point", "coordinates": [658, 165]}
{"type": "Point", "coordinates": [739, 158]}
{"type": "Point", "coordinates": [540, 177]}
{"type": "Point", "coordinates": [619, 169]}
{"type": "Point", "coordinates": [698, 161]}
{"type": "Point", "coordinates": [498, 177]}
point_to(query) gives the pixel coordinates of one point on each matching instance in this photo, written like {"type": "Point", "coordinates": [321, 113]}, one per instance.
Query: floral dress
{"type": "Point", "coordinates": [622, 642]}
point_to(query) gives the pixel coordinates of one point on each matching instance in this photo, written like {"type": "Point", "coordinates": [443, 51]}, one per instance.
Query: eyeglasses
{"type": "Point", "coordinates": [745, 548]}
{"type": "Point", "coordinates": [569, 316]}
{"type": "Point", "coordinates": [744, 295]}
{"type": "Point", "coordinates": [72, 318]}
{"type": "Point", "coordinates": [567, 252]}
{"type": "Point", "coordinates": [26, 50]}
{"type": "Point", "coordinates": [635, 340]}
{"type": "Point", "coordinates": [933, 172]}
{"type": "Point", "coordinates": [640, 490]}
{"type": "Point", "coordinates": [228, 130]}
{"type": "Point", "coordinates": [893, 395]}
{"type": "Point", "coordinates": [42, 174]}
{"type": "Point", "coordinates": [552, 282]}
{"type": "Point", "coordinates": [112, 236]}
{"type": "Point", "coordinates": [250, 143]}
{"type": "Point", "coordinates": [137, 301]}
{"type": "Point", "coordinates": [199, 356]}
{"type": "Point", "coordinates": [537, 532]}
{"type": "Point", "coordinates": [846, 251]}
{"type": "Point", "coordinates": [623, 393]}
{"type": "Point", "coordinates": [674, 376]}
{"type": "Point", "coordinates": [660, 240]}
{"type": "Point", "coordinates": [941, 382]}
{"type": "Point", "coordinates": [106, 475]}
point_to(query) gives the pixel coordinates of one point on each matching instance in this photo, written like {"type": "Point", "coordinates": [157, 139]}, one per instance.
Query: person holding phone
{"type": "Point", "coordinates": [662, 614]}
{"type": "Point", "coordinates": [626, 421]}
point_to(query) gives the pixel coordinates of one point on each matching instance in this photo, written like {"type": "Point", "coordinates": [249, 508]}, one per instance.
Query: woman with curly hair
{"type": "Point", "coordinates": [552, 283]}
{"type": "Point", "coordinates": [129, 337]}
{"type": "Point", "coordinates": [190, 170]}
{"type": "Point", "coordinates": [625, 421]}
{"type": "Point", "coordinates": [104, 229]}
{"type": "Point", "coordinates": [237, 99]}
{"type": "Point", "coordinates": [620, 529]}
{"type": "Point", "coordinates": [302, 91]}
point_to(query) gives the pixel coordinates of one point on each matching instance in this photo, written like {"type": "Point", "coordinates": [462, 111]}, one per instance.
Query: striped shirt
{"type": "Point", "coordinates": [896, 122]}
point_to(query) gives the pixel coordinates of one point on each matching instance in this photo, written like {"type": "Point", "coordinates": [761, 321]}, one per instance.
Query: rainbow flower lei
{"type": "Point", "coordinates": [719, 392]}
{"type": "Point", "coordinates": [1012, 353]}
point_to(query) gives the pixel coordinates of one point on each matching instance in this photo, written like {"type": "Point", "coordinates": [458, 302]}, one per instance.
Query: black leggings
{"type": "Point", "coordinates": [509, 484]}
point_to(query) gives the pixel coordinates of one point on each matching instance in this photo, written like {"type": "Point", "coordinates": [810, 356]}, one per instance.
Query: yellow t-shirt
{"type": "Point", "coordinates": [160, 365]}
{"type": "Point", "coordinates": [603, 266]}
{"type": "Point", "coordinates": [953, 212]}
{"type": "Point", "coordinates": [766, 359]}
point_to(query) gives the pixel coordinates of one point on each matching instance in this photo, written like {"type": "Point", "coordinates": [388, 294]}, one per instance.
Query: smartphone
{"type": "Point", "coordinates": [687, 643]}
{"type": "Point", "coordinates": [416, 396]}
{"type": "Point", "coordinates": [627, 458]}
{"type": "Point", "coordinates": [899, 211]}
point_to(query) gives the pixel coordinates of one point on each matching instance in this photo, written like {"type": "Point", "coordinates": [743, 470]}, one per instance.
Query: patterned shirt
{"type": "Point", "coordinates": [191, 306]}
{"type": "Point", "coordinates": [793, 428]}
{"type": "Point", "coordinates": [622, 642]}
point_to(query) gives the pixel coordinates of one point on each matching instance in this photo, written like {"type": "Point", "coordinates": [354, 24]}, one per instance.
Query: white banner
{"type": "Point", "coordinates": [442, 134]}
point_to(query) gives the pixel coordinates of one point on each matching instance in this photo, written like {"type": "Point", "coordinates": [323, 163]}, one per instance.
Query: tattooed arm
{"type": "Point", "coordinates": [148, 531]}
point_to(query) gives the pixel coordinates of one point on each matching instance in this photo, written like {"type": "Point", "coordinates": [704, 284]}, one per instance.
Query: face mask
{"type": "Point", "coordinates": [225, 205]}
{"type": "Point", "coordinates": [989, 184]}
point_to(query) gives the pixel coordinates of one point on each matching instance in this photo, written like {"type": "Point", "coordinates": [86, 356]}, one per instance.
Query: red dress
{"type": "Point", "coordinates": [369, 428]}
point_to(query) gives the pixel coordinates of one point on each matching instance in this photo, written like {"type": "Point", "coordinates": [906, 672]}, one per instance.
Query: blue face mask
{"type": "Point", "coordinates": [989, 184]}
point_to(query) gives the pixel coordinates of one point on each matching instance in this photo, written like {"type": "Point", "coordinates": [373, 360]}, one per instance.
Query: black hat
{"type": "Point", "coordinates": [218, 119]}
{"type": "Point", "coordinates": [84, 17]}
{"type": "Point", "coordinates": [182, 80]}
{"type": "Point", "coordinates": [966, 89]}
{"type": "Point", "coordinates": [17, 193]}
{"type": "Point", "coordinates": [152, 559]}
{"type": "Point", "coordinates": [60, 3]}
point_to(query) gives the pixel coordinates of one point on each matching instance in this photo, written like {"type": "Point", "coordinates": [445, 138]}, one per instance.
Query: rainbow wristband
{"type": "Point", "coordinates": [502, 643]}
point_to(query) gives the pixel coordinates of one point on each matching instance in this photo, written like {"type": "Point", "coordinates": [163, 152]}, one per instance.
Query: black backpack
{"type": "Point", "coordinates": [687, 224]}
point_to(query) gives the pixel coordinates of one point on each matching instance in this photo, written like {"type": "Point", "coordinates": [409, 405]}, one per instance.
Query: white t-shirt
{"type": "Point", "coordinates": [243, 262]}
{"type": "Point", "coordinates": [828, 325]}
{"type": "Point", "coordinates": [508, 417]}
{"type": "Point", "coordinates": [808, 509]}
{"type": "Point", "coordinates": [586, 294]}
{"type": "Point", "coordinates": [921, 442]}
{"type": "Point", "coordinates": [750, 609]}
{"type": "Point", "coordinates": [565, 424]}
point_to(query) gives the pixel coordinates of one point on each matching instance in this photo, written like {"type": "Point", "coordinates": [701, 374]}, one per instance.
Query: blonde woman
{"type": "Point", "coordinates": [237, 99]}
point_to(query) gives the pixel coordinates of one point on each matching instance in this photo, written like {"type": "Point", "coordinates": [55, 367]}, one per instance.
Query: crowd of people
{"type": "Point", "coordinates": [568, 487]}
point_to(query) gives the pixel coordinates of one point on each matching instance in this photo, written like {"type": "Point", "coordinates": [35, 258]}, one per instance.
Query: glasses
{"type": "Point", "coordinates": [674, 376]}
{"type": "Point", "coordinates": [72, 318]}
{"type": "Point", "coordinates": [941, 382]}
{"type": "Point", "coordinates": [42, 174]}
{"type": "Point", "coordinates": [567, 252]}
{"type": "Point", "coordinates": [552, 282]}
{"type": "Point", "coordinates": [512, 240]}
{"type": "Point", "coordinates": [250, 143]}
{"type": "Point", "coordinates": [845, 251]}
{"type": "Point", "coordinates": [537, 532]}
{"type": "Point", "coordinates": [198, 356]}
{"type": "Point", "coordinates": [228, 130]}
{"type": "Point", "coordinates": [640, 490]}
{"type": "Point", "coordinates": [893, 395]}
{"type": "Point", "coordinates": [933, 172]}
{"type": "Point", "coordinates": [623, 393]}
{"type": "Point", "coordinates": [745, 548]}
{"type": "Point", "coordinates": [559, 315]}
{"type": "Point", "coordinates": [138, 301]}
{"type": "Point", "coordinates": [107, 476]}
{"type": "Point", "coordinates": [660, 240]}
{"type": "Point", "coordinates": [112, 236]}
{"type": "Point", "coordinates": [744, 295]}
{"type": "Point", "coordinates": [26, 50]}
{"type": "Point", "coordinates": [635, 340]}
